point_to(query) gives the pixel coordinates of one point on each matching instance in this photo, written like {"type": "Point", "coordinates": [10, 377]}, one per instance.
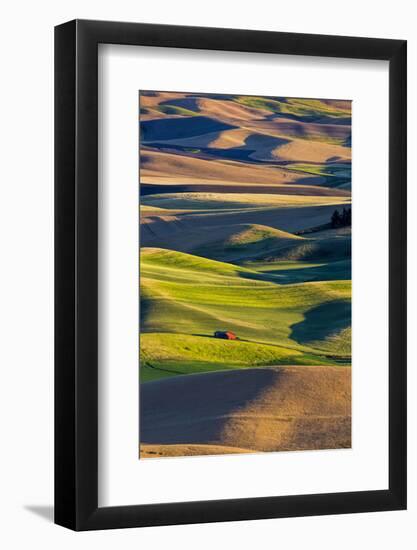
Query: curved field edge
{"type": "Point", "coordinates": [163, 355]}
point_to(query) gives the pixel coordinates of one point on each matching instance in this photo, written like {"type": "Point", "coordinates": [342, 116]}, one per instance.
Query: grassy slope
{"type": "Point", "coordinates": [257, 242]}
{"type": "Point", "coordinates": [170, 354]}
{"type": "Point", "coordinates": [174, 110]}
{"type": "Point", "coordinates": [290, 272]}
{"type": "Point", "coordinates": [294, 106]}
{"type": "Point", "coordinates": [236, 201]}
{"type": "Point", "coordinates": [246, 241]}
{"type": "Point", "coordinates": [189, 295]}
{"type": "Point", "coordinates": [293, 309]}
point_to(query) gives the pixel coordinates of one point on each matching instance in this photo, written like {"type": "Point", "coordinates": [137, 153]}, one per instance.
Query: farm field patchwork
{"type": "Point", "coordinates": [245, 274]}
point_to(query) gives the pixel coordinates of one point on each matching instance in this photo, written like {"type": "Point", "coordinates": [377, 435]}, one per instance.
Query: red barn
{"type": "Point", "coordinates": [226, 335]}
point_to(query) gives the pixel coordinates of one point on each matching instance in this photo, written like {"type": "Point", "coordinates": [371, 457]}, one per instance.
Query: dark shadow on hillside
{"type": "Point", "coordinates": [144, 311]}
{"type": "Point", "coordinates": [178, 128]}
{"type": "Point", "coordinates": [322, 321]}
{"type": "Point", "coordinates": [193, 409]}
{"type": "Point", "coordinates": [255, 141]}
{"type": "Point", "coordinates": [334, 271]}
{"type": "Point", "coordinates": [259, 276]}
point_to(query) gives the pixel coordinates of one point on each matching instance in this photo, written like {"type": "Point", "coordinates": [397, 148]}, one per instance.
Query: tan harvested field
{"type": "Point", "coordinates": [271, 146]}
{"type": "Point", "coordinates": [281, 126]}
{"type": "Point", "coordinates": [155, 228]}
{"type": "Point", "coordinates": [152, 100]}
{"type": "Point", "coordinates": [150, 103]}
{"type": "Point", "coordinates": [200, 238]}
{"type": "Point", "coordinates": [168, 165]}
{"type": "Point", "coordinates": [217, 108]}
{"type": "Point", "coordinates": [184, 136]}
{"type": "Point", "coordinates": [302, 150]}
{"type": "Point", "coordinates": [162, 451]}
{"type": "Point", "coordinates": [188, 184]}
{"type": "Point", "coordinates": [245, 274]}
{"type": "Point", "coordinates": [343, 104]}
{"type": "Point", "coordinates": [232, 201]}
{"type": "Point", "coordinates": [224, 139]}
{"type": "Point", "coordinates": [261, 409]}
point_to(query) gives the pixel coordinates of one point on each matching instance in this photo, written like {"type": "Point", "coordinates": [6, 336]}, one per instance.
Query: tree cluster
{"type": "Point", "coordinates": [343, 219]}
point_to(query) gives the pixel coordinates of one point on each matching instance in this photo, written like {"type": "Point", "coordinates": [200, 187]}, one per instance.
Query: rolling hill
{"type": "Point", "coordinates": [245, 273]}
{"type": "Point", "coordinates": [188, 298]}
{"type": "Point", "coordinates": [243, 137]}
{"type": "Point", "coordinates": [266, 409]}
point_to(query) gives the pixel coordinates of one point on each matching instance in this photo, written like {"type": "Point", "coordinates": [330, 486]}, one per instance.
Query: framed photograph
{"type": "Point", "coordinates": [230, 275]}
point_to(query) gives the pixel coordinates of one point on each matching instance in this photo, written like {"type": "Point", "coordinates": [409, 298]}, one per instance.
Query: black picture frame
{"type": "Point", "coordinates": [76, 272]}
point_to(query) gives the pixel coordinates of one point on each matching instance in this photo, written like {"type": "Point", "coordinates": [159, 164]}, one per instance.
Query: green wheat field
{"type": "Point", "coordinates": [245, 274]}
